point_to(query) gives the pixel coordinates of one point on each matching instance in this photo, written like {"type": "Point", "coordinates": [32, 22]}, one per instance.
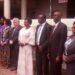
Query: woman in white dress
{"type": "Point", "coordinates": [26, 43]}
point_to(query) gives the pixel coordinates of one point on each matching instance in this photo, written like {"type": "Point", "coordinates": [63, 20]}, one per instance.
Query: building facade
{"type": "Point", "coordinates": [31, 8]}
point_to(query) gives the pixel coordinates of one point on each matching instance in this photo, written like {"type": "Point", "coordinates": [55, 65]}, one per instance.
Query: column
{"type": "Point", "coordinates": [7, 8]}
{"type": "Point", "coordinates": [50, 8]}
{"type": "Point", "coordinates": [23, 9]}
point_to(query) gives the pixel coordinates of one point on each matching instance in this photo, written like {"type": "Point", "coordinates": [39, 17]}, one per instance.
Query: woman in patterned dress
{"type": "Point", "coordinates": [5, 42]}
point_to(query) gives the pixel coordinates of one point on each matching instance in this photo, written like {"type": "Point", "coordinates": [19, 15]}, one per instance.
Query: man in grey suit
{"type": "Point", "coordinates": [14, 47]}
{"type": "Point", "coordinates": [56, 43]}
{"type": "Point", "coordinates": [41, 40]}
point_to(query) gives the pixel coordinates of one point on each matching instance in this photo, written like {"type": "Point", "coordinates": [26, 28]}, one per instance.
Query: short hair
{"type": "Point", "coordinates": [44, 15]}
{"type": "Point", "coordinates": [29, 19]}
{"type": "Point", "coordinates": [3, 18]}
{"type": "Point", "coordinates": [8, 22]}
{"type": "Point", "coordinates": [56, 11]}
{"type": "Point", "coordinates": [16, 19]}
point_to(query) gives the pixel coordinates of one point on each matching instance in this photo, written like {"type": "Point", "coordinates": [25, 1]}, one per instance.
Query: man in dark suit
{"type": "Point", "coordinates": [56, 43]}
{"type": "Point", "coordinates": [14, 47]}
{"type": "Point", "coordinates": [41, 40]}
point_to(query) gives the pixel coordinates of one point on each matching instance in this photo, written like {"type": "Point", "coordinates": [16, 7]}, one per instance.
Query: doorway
{"type": "Point", "coordinates": [71, 9]}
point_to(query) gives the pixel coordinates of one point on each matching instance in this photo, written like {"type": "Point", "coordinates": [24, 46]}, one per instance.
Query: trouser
{"type": "Point", "coordinates": [14, 55]}
{"type": "Point", "coordinates": [55, 68]}
{"type": "Point", "coordinates": [42, 64]}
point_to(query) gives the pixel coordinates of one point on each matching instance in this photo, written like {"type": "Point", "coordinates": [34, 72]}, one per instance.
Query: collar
{"type": "Point", "coordinates": [43, 24]}
{"type": "Point", "coordinates": [56, 24]}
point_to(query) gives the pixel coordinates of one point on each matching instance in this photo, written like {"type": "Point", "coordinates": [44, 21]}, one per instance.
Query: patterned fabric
{"type": "Point", "coordinates": [5, 54]}
{"type": "Point", "coordinates": [1, 35]}
{"type": "Point", "coordinates": [1, 31]}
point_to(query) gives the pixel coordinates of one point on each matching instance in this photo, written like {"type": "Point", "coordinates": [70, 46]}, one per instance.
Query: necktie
{"type": "Point", "coordinates": [13, 31]}
{"type": "Point", "coordinates": [54, 28]}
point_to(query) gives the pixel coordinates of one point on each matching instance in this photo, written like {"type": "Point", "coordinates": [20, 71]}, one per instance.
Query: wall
{"type": "Point", "coordinates": [43, 6]}
{"type": "Point", "coordinates": [68, 22]}
{"type": "Point", "coordinates": [61, 6]}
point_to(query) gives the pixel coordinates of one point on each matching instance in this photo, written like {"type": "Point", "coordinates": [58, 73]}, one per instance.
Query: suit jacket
{"type": "Point", "coordinates": [57, 40]}
{"type": "Point", "coordinates": [14, 34]}
{"type": "Point", "coordinates": [44, 36]}
{"type": "Point", "coordinates": [71, 51]}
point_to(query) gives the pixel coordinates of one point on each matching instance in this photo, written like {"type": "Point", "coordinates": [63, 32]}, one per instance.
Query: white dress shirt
{"type": "Point", "coordinates": [39, 33]}
{"type": "Point", "coordinates": [56, 25]}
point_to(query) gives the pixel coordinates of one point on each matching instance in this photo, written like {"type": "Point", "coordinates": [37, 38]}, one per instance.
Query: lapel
{"type": "Point", "coordinates": [56, 30]}
{"type": "Point", "coordinates": [71, 44]}
{"type": "Point", "coordinates": [36, 32]}
{"type": "Point", "coordinates": [42, 33]}
{"type": "Point", "coordinates": [43, 30]}
{"type": "Point", "coordinates": [16, 31]}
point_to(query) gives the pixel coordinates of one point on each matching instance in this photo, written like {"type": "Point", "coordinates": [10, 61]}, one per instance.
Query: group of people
{"type": "Point", "coordinates": [9, 47]}
{"type": "Point", "coordinates": [50, 44]}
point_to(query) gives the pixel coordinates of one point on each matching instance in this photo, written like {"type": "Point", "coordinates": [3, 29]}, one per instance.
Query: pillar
{"type": "Point", "coordinates": [7, 8]}
{"type": "Point", "coordinates": [23, 9]}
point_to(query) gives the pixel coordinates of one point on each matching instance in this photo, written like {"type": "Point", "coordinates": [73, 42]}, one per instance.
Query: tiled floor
{"type": "Point", "coordinates": [5, 71]}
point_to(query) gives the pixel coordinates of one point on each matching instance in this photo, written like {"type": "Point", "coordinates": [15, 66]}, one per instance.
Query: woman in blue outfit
{"type": "Point", "coordinates": [69, 54]}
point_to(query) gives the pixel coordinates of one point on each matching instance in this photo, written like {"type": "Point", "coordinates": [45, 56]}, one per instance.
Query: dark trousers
{"type": "Point", "coordinates": [55, 68]}
{"type": "Point", "coordinates": [14, 55]}
{"type": "Point", "coordinates": [71, 68]}
{"type": "Point", "coordinates": [42, 63]}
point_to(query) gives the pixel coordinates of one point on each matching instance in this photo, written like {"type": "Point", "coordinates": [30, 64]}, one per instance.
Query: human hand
{"type": "Point", "coordinates": [57, 59]}
{"type": "Point", "coordinates": [2, 44]}
{"type": "Point", "coordinates": [65, 58]}
{"type": "Point", "coordinates": [10, 42]}
{"type": "Point", "coordinates": [21, 44]}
